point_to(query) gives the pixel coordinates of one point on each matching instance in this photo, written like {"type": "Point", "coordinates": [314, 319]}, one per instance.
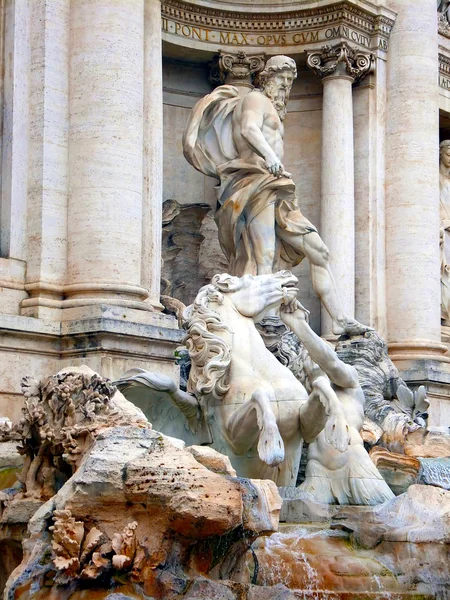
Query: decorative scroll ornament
{"type": "Point", "coordinates": [443, 8]}
{"type": "Point", "coordinates": [341, 59]}
{"type": "Point", "coordinates": [236, 69]}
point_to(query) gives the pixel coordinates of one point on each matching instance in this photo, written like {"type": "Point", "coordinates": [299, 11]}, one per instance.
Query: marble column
{"type": "Point", "coordinates": [153, 153]}
{"type": "Point", "coordinates": [412, 184]}
{"type": "Point", "coordinates": [339, 67]}
{"type": "Point", "coordinates": [105, 240]}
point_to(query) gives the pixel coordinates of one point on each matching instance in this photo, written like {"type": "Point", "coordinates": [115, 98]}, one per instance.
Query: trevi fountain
{"type": "Point", "coordinates": [225, 300]}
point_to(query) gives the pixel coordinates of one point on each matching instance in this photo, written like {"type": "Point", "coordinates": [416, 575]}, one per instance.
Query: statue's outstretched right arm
{"type": "Point", "coordinates": [341, 374]}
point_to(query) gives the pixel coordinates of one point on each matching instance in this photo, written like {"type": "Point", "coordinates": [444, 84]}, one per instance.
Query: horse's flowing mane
{"type": "Point", "coordinates": [210, 354]}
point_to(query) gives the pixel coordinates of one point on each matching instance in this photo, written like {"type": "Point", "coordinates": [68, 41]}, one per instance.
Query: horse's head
{"type": "Point", "coordinates": [254, 295]}
{"type": "Point", "coordinates": [209, 349]}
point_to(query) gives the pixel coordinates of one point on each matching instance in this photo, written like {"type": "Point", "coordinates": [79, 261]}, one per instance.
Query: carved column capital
{"type": "Point", "coordinates": [340, 61]}
{"type": "Point", "coordinates": [443, 7]}
{"type": "Point", "coordinates": [236, 68]}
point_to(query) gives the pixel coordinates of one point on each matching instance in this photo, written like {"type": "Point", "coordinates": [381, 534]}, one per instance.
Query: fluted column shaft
{"type": "Point", "coordinates": [106, 154]}
{"type": "Point", "coordinates": [412, 182]}
{"type": "Point", "coordinates": [339, 67]}
{"type": "Point", "coordinates": [337, 210]}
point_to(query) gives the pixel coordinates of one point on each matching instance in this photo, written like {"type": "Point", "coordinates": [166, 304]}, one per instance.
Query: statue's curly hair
{"type": "Point", "coordinates": [274, 64]}
{"type": "Point", "coordinates": [210, 354]}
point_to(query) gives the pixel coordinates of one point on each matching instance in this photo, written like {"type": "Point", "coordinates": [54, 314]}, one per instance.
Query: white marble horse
{"type": "Point", "coordinates": [257, 411]}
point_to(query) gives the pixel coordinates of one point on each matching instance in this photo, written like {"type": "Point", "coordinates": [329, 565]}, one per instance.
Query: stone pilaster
{"type": "Point", "coordinates": [48, 145]}
{"type": "Point", "coordinates": [339, 67]}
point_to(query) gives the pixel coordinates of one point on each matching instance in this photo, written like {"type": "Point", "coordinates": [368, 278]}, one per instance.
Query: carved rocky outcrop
{"type": "Point", "coordinates": [144, 511]}
{"type": "Point", "coordinates": [136, 508]}
{"type": "Point", "coordinates": [62, 416]}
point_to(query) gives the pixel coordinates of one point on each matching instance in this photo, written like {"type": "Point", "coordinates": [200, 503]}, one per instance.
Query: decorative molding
{"type": "Point", "coordinates": [444, 71]}
{"type": "Point", "coordinates": [367, 27]}
{"type": "Point", "coordinates": [341, 60]}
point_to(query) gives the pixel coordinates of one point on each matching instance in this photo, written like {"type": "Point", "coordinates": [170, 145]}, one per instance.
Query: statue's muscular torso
{"type": "Point", "coordinates": [257, 112]}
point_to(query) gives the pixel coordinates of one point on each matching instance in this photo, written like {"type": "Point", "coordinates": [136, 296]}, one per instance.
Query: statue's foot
{"type": "Point", "coordinates": [349, 326]}
{"type": "Point", "coordinates": [270, 445]}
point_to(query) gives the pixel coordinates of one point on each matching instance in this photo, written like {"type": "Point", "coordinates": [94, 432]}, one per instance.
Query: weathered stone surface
{"type": "Point", "coordinates": [212, 460]}
{"type": "Point", "coordinates": [275, 592]}
{"type": "Point", "coordinates": [435, 471]}
{"type": "Point", "coordinates": [202, 588]}
{"type": "Point", "coordinates": [398, 470]}
{"type": "Point", "coordinates": [62, 416]}
{"type": "Point", "coordinates": [420, 515]}
{"type": "Point", "coordinates": [9, 457]}
{"type": "Point", "coordinates": [427, 443]}
{"type": "Point", "coordinates": [141, 505]}
{"type": "Point", "coordinates": [301, 507]}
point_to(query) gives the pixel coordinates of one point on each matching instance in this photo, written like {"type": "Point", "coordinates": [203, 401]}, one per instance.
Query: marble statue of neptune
{"type": "Point", "coordinates": [237, 138]}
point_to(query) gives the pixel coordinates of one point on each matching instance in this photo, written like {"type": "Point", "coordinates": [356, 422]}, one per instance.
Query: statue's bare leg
{"type": "Point", "coordinates": [262, 235]}
{"type": "Point", "coordinates": [255, 420]}
{"type": "Point", "coordinates": [312, 246]}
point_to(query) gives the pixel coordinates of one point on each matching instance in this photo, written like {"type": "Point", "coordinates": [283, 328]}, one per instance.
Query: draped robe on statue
{"type": "Point", "coordinates": [245, 187]}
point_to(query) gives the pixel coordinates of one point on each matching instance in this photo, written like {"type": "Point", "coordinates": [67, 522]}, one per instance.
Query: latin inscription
{"type": "Point", "coordinates": [444, 82]}
{"type": "Point", "coordinates": [233, 38]}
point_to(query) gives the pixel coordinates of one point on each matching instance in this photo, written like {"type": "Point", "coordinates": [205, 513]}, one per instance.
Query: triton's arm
{"type": "Point", "coordinates": [341, 374]}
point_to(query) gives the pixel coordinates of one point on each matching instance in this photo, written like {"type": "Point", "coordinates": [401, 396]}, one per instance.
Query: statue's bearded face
{"type": "Point", "coordinates": [277, 88]}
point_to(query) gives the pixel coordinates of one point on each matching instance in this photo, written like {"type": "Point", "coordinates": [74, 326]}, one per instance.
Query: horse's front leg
{"type": "Point", "coordinates": [255, 420]}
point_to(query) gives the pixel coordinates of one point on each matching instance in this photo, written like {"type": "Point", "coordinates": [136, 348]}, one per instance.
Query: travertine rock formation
{"type": "Point", "coordinates": [135, 509]}
{"type": "Point", "coordinates": [63, 415]}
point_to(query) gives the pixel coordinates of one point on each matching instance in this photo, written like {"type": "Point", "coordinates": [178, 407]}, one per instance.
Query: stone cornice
{"type": "Point", "coordinates": [444, 72]}
{"type": "Point", "coordinates": [444, 64]}
{"type": "Point", "coordinates": [204, 27]}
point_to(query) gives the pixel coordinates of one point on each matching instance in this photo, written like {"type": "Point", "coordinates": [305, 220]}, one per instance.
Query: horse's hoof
{"type": "Point", "coordinates": [271, 446]}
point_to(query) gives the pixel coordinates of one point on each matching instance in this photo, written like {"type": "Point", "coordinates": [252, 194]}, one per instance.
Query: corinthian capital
{"type": "Point", "coordinates": [236, 69]}
{"type": "Point", "coordinates": [340, 60]}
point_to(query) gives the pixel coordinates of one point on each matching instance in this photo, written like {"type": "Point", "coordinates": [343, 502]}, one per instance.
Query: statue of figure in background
{"type": "Point", "coordinates": [444, 190]}
{"type": "Point", "coordinates": [238, 139]}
